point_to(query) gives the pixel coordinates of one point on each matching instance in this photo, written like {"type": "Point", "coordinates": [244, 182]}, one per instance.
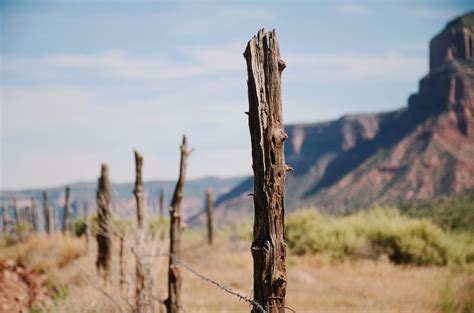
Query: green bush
{"type": "Point", "coordinates": [380, 230]}
{"type": "Point", "coordinates": [79, 227]}
{"type": "Point", "coordinates": [451, 213]}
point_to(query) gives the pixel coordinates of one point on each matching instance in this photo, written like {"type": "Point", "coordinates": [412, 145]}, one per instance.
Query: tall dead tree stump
{"type": "Point", "coordinates": [104, 217]}
{"type": "Point", "coordinates": [210, 223]}
{"type": "Point", "coordinates": [47, 214]}
{"type": "Point", "coordinates": [174, 303]}
{"type": "Point", "coordinates": [264, 68]}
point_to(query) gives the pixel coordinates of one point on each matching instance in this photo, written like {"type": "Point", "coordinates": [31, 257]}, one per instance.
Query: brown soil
{"type": "Point", "coordinates": [20, 287]}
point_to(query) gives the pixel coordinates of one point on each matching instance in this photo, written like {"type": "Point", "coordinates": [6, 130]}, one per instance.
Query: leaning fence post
{"type": "Point", "coordinates": [210, 224]}
{"type": "Point", "coordinates": [173, 303]}
{"type": "Point", "coordinates": [104, 216]}
{"type": "Point", "coordinates": [264, 68]}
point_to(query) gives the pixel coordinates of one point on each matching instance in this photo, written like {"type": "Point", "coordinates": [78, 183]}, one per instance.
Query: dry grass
{"type": "Point", "coordinates": [45, 252]}
{"type": "Point", "coordinates": [315, 285]}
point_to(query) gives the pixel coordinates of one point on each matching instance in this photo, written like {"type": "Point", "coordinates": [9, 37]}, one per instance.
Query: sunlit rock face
{"type": "Point", "coordinates": [455, 42]}
{"type": "Point", "coordinates": [417, 152]}
{"type": "Point", "coordinates": [449, 86]}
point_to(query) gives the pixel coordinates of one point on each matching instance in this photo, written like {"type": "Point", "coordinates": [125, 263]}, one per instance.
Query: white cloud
{"type": "Point", "coordinates": [118, 64]}
{"type": "Point", "coordinates": [347, 66]}
{"type": "Point", "coordinates": [352, 9]}
{"type": "Point", "coordinates": [442, 14]}
{"type": "Point", "coordinates": [56, 132]}
{"type": "Point", "coordinates": [215, 61]}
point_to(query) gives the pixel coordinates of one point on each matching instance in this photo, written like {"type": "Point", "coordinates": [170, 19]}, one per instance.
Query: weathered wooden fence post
{"type": "Point", "coordinates": [121, 263]}
{"type": "Point", "coordinates": [210, 224]}
{"type": "Point", "coordinates": [34, 215]}
{"type": "Point", "coordinates": [66, 212]}
{"type": "Point", "coordinates": [28, 218]}
{"type": "Point", "coordinates": [4, 218]}
{"type": "Point", "coordinates": [143, 289]}
{"type": "Point", "coordinates": [173, 303]}
{"type": "Point", "coordinates": [104, 216]}
{"type": "Point", "coordinates": [162, 212]}
{"type": "Point", "coordinates": [264, 68]}
{"type": "Point", "coordinates": [47, 214]}
{"type": "Point", "coordinates": [138, 191]}
{"type": "Point", "coordinates": [16, 212]}
{"type": "Point", "coordinates": [162, 203]}
{"type": "Point", "coordinates": [87, 226]}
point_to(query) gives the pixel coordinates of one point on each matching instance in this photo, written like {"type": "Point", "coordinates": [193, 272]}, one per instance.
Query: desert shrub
{"type": "Point", "coordinates": [451, 213]}
{"type": "Point", "coordinates": [121, 225]}
{"type": "Point", "coordinates": [60, 293]}
{"type": "Point", "coordinates": [379, 230]}
{"type": "Point", "coordinates": [311, 232]}
{"type": "Point", "coordinates": [94, 224]}
{"type": "Point", "coordinates": [21, 230]}
{"type": "Point", "coordinates": [10, 240]}
{"type": "Point", "coordinates": [44, 252]}
{"type": "Point", "coordinates": [240, 230]}
{"type": "Point", "coordinates": [155, 225]}
{"type": "Point", "coordinates": [79, 227]}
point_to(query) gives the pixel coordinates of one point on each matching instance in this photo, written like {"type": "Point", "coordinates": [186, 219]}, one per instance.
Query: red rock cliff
{"type": "Point", "coordinates": [449, 86]}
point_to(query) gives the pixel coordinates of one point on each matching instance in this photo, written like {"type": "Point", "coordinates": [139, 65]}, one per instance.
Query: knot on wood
{"type": "Point", "coordinates": [279, 281]}
{"type": "Point", "coordinates": [281, 65]}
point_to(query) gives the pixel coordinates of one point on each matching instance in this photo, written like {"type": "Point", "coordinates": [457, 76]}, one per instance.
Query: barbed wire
{"type": "Point", "coordinates": [240, 296]}
{"type": "Point", "coordinates": [219, 285]}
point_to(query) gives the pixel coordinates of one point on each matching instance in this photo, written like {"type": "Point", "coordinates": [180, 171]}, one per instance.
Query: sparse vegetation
{"type": "Point", "coordinates": [371, 233]}
{"type": "Point", "coordinates": [451, 213]}
{"type": "Point", "coordinates": [457, 293]}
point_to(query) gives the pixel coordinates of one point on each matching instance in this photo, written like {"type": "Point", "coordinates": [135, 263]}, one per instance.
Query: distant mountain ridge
{"type": "Point", "coordinates": [123, 202]}
{"type": "Point", "coordinates": [420, 151]}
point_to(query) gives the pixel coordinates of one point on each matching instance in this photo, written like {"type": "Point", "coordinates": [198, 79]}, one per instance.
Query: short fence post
{"type": "Point", "coordinates": [47, 213]}
{"type": "Point", "coordinates": [210, 224]}
{"type": "Point", "coordinates": [104, 215]}
{"type": "Point", "coordinates": [173, 303]}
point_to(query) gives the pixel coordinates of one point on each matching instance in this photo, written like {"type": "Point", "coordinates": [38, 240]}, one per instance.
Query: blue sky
{"type": "Point", "coordinates": [84, 82]}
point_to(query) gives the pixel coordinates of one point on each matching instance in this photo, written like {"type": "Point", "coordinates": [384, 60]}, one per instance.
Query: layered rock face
{"type": "Point", "coordinates": [455, 42]}
{"type": "Point", "coordinates": [421, 151]}
{"type": "Point", "coordinates": [449, 86]}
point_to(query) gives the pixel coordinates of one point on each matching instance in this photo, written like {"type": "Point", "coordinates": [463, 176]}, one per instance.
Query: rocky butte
{"type": "Point", "coordinates": [423, 150]}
